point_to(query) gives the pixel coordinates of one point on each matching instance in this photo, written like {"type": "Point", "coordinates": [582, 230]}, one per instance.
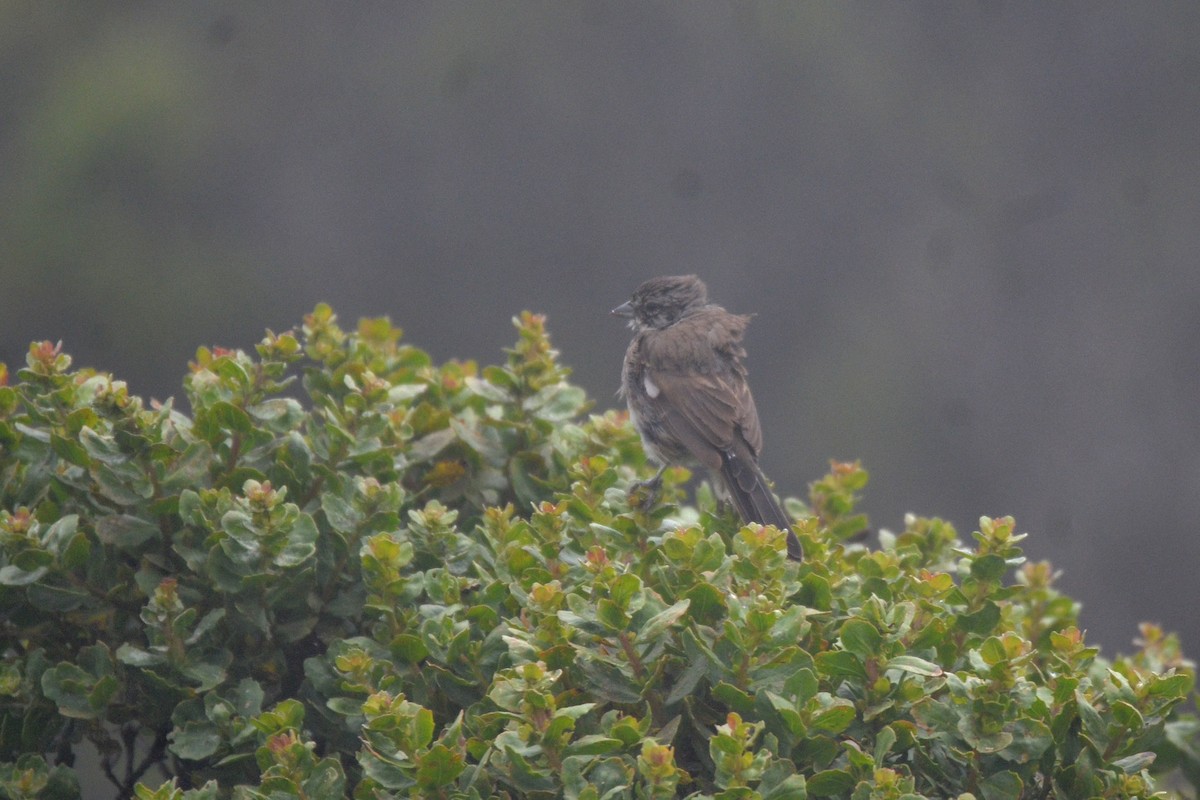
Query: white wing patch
{"type": "Point", "coordinates": [651, 387]}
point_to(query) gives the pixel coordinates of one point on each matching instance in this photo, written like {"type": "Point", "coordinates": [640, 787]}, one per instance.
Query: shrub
{"type": "Point", "coordinates": [430, 581]}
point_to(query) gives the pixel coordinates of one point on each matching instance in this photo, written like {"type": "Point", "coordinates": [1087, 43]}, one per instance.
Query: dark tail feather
{"type": "Point", "coordinates": [751, 495]}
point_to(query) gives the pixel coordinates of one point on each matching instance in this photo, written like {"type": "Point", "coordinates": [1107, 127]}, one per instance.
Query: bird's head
{"type": "Point", "coordinates": [660, 302]}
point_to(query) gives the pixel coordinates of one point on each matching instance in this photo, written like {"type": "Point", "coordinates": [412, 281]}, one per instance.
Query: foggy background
{"type": "Point", "coordinates": [969, 231]}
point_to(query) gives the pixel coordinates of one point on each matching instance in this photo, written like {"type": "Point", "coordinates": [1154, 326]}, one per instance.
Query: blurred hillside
{"type": "Point", "coordinates": [969, 233]}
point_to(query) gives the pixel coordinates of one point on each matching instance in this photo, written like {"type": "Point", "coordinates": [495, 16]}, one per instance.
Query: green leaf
{"type": "Point", "coordinates": [779, 711]}
{"type": "Point", "coordinates": [122, 484]}
{"type": "Point", "coordinates": [521, 471]}
{"type": "Point", "coordinates": [78, 694]}
{"type": "Point", "coordinates": [195, 740]}
{"type": "Point", "coordinates": [32, 560]}
{"type": "Point", "coordinates": [935, 715]}
{"type": "Point", "coordinates": [780, 782]}
{"type": "Point", "coordinates": [802, 685]}
{"type": "Point", "coordinates": [687, 682]}
{"type": "Point", "coordinates": [989, 567]}
{"type": "Point", "coordinates": [386, 773]}
{"type": "Point", "coordinates": [481, 439]}
{"type": "Point", "coordinates": [206, 624]}
{"type": "Point", "coordinates": [861, 638]}
{"type": "Point", "coordinates": [8, 400]}
{"type": "Point", "coordinates": [981, 622]}
{"type": "Point", "coordinates": [409, 649]}
{"type": "Point", "coordinates": [340, 514]}
{"type": "Point", "coordinates": [437, 768]}
{"type": "Point", "coordinates": [859, 761]}
{"type": "Point", "coordinates": [593, 745]}
{"type": "Point", "coordinates": [574, 712]}
{"type": "Point", "coordinates": [247, 698]}
{"type": "Point", "coordinates": [830, 783]}
{"type": "Point", "coordinates": [137, 657]}
{"type": "Point", "coordinates": [611, 615]}
{"type": "Point", "coordinates": [1127, 716]}
{"type": "Point", "coordinates": [286, 715]}
{"type": "Point", "coordinates": [1132, 765]}
{"type": "Point", "coordinates": [225, 416]}
{"type": "Point", "coordinates": [301, 544]}
{"type": "Point", "coordinates": [836, 718]}
{"type": "Point", "coordinates": [101, 447]}
{"type": "Point", "coordinates": [914, 665]}
{"type": "Point", "coordinates": [428, 446]}
{"type": "Point", "coordinates": [325, 780]}
{"type": "Point", "coordinates": [1172, 686]}
{"type": "Point", "coordinates": [883, 745]}
{"type": "Point", "coordinates": [125, 531]}
{"type": "Point", "coordinates": [57, 599]}
{"type": "Point", "coordinates": [1031, 739]}
{"type": "Point", "coordinates": [1002, 786]}
{"type": "Point", "coordinates": [660, 622]}
{"type": "Point", "coordinates": [608, 682]}
{"type": "Point", "coordinates": [15, 576]}
{"type": "Point", "coordinates": [191, 510]}
{"type": "Point", "coordinates": [707, 604]}
{"type": "Point", "coordinates": [487, 390]}
{"type": "Point", "coordinates": [402, 393]}
{"type": "Point", "coordinates": [983, 739]}
{"type": "Point", "coordinates": [735, 698]}
{"type": "Point", "coordinates": [557, 403]}
{"type": "Point", "coordinates": [77, 551]}
{"type": "Point", "coordinates": [207, 674]}
{"type": "Point", "coordinates": [993, 651]}
{"type": "Point", "coordinates": [70, 450]}
{"type": "Point", "coordinates": [58, 535]}
{"type": "Point", "coordinates": [345, 706]}
{"type": "Point", "coordinates": [624, 589]}
{"type": "Point", "coordinates": [278, 413]}
{"type": "Point", "coordinates": [191, 468]}
{"type": "Point", "coordinates": [527, 776]}
{"type": "Point", "coordinates": [1093, 723]}
{"type": "Point", "coordinates": [840, 663]}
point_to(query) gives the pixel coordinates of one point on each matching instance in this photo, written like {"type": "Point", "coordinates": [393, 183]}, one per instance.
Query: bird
{"type": "Point", "coordinates": [685, 385]}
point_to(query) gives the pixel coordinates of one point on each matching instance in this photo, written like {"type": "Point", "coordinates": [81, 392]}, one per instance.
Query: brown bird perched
{"type": "Point", "coordinates": [686, 388]}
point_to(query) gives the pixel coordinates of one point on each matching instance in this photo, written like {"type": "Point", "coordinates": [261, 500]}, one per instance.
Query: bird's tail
{"type": "Point", "coordinates": [752, 497]}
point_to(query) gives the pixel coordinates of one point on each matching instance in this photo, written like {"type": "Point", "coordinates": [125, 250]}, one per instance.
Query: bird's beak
{"type": "Point", "coordinates": [624, 310]}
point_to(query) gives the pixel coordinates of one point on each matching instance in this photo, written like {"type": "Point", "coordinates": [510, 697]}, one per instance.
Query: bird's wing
{"type": "Point", "coordinates": [698, 388]}
{"type": "Point", "coordinates": [698, 411]}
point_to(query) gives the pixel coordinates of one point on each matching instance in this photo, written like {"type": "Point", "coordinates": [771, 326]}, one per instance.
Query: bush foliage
{"type": "Point", "coordinates": [431, 581]}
